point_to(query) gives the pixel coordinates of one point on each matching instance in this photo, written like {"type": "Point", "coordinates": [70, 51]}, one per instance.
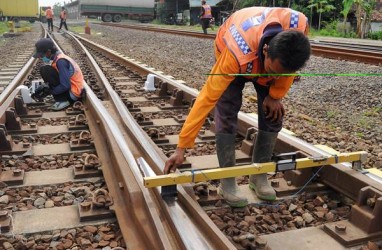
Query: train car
{"type": "Point", "coordinates": [19, 10]}
{"type": "Point", "coordinates": [115, 10]}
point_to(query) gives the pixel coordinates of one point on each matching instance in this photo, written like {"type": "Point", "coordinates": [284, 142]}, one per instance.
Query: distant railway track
{"type": "Point", "coordinates": [130, 131]}
{"type": "Point", "coordinates": [335, 50]}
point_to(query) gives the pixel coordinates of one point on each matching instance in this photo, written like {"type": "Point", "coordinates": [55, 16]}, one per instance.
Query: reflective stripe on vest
{"type": "Point", "coordinates": [294, 20]}
{"type": "Point", "coordinates": [207, 11]}
{"type": "Point", "coordinates": [242, 32]}
{"type": "Point", "coordinates": [77, 79]}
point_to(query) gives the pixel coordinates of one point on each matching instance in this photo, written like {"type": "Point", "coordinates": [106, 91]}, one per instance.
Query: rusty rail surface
{"type": "Point", "coordinates": [149, 222]}
{"type": "Point", "coordinates": [147, 205]}
{"type": "Point", "coordinates": [352, 181]}
{"type": "Point", "coordinates": [330, 50]}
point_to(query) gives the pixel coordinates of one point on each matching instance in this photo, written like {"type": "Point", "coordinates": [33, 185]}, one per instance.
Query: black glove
{"type": "Point", "coordinates": [41, 92]}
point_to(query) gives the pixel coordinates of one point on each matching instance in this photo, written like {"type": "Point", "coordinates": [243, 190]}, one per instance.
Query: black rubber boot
{"type": "Point", "coordinates": [262, 152]}
{"type": "Point", "coordinates": [225, 148]}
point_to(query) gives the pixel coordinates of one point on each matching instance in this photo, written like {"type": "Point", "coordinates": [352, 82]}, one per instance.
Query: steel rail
{"type": "Point", "coordinates": [335, 51]}
{"type": "Point", "coordinates": [286, 140]}
{"type": "Point", "coordinates": [16, 81]}
{"type": "Point", "coordinates": [201, 232]}
{"type": "Point", "coordinates": [340, 177]}
{"type": "Point", "coordinates": [355, 180]}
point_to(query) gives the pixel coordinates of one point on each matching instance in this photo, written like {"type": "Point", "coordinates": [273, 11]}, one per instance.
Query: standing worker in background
{"type": "Point", "coordinates": [49, 18]}
{"type": "Point", "coordinates": [63, 16]}
{"type": "Point", "coordinates": [206, 16]}
{"type": "Point", "coordinates": [256, 40]}
{"type": "Point", "coordinates": [64, 76]}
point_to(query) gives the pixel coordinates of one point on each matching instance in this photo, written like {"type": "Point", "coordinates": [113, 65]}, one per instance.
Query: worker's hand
{"type": "Point", "coordinates": [175, 160]}
{"type": "Point", "coordinates": [273, 109]}
{"type": "Point", "coordinates": [41, 92]}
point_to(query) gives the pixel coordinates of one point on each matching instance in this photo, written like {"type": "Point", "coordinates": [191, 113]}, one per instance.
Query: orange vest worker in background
{"type": "Point", "coordinates": [63, 16]}
{"type": "Point", "coordinates": [49, 19]}
{"type": "Point", "coordinates": [206, 16]}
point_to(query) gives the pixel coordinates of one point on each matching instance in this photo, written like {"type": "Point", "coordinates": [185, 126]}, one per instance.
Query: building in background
{"type": "Point", "coordinates": [72, 9]}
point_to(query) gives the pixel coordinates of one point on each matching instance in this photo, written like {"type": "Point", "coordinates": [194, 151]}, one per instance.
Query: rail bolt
{"type": "Point", "coordinates": [78, 105]}
{"type": "Point", "coordinates": [80, 119]}
{"type": "Point", "coordinates": [91, 161]}
{"type": "Point", "coordinates": [3, 214]}
{"type": "Point", "coordinates": [340, 228]}
{"type": "Point", "coordinates": [84, 137]}
{"type": "Point", "coordinates": [275, 183]}
{"type": "Point", "coordinates": [17, 172]}
{"type": "Point", "coordinates": [101, 198]}
{"type": "Point", "coordinates": [371, 202]}
{"type": "Point", "coordinates": [78, 167]}
{"type": "Point", "coordinates": [85, 205]}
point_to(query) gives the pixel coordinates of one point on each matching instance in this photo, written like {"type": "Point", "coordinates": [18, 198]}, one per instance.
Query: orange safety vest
{"type": "Point", "coordinates": [242, 32]}
{"type": "Point", "coordinates": [77, 79]}
{"type": "Point", "coordinates": [49, 13]}
{"type": "Point", "coordinates": [63, 14]}
{"type": "Point", "coordinates": [207, 11]}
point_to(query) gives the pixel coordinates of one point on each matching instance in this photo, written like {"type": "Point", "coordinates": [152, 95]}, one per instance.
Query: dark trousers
{"type": "Point", "coordinates": [50, 76]}
{"type": "Point", "coordinates": [63, 22]}
{"type": "Point", "coordinates": [205, 24]}
{"type": "Point", "coordinates": [228, 107]}
{"type": "Point", "coordinates": [50, 23]}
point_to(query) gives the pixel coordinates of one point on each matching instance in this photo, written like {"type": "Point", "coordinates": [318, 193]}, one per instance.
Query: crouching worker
{"type": "Point", "coordinates": [64, 77]}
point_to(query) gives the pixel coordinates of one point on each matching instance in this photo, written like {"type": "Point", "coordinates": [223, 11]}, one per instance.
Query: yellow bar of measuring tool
{"type": "Point", "coordinates": [255, 168]}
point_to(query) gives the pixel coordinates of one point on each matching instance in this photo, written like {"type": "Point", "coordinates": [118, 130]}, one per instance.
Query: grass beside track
{"type": "Point", "coordinates": [24, 27]}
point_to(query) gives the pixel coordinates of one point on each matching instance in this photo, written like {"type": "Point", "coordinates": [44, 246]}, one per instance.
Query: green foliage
{"type": "Point", "coordinates": [156, 21]}
{"type": "Point", "coordinates": [246, 3]}
{"type": "Point", "coordinates": [301, 8]}
{"type": "Point", "coordinates": [364, 122]}
{"type": "Point", "coordinates": [359, 134]}
{"type": "Point", "coordinates": [3, 27]}
{"type": "Point", "coordinates": [376, 35]}
{"type": "Point", "coordinates": [347, 4]}
{"type": "Point", "coordinates": [330, 29]}
{"type": "Point", "coordinates": [331, 114]}
{"type": "Point", "coordinates": [373, 111]}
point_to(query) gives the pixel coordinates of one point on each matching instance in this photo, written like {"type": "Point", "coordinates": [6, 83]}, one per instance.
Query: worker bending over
{"type": "Point", "coordinates": [256, 40]}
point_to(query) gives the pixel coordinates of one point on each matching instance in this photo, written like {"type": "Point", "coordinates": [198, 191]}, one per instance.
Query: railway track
{"type": "Point", "coordinates": [125, 133]}
{"type": "Point", "coordinates": [335, 50]}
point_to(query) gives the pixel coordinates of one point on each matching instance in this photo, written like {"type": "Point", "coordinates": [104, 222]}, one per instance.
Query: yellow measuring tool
{"type": "Point", "coordinates": [256, 168]}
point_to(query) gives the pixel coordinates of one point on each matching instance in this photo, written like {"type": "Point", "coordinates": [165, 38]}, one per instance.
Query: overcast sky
{"type": "Point", "coordinates": [51, 2]}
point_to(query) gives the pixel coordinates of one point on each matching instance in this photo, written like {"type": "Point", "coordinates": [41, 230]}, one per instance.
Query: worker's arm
{"type": "Point", "coordinates": [205, 102]}
{"type": "Point", "coordinates": [65, 71]}
{"type": "Point", "coordinates": [272, 105]}
{"type": "Point", "coordinates": [281, 87]}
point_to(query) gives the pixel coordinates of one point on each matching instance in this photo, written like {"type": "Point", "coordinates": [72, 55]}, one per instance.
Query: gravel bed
{"type": "Point", "coordinates": [342, 112]}
{"type": "Point", "coordinates": [243, 225]}
{"type": "Point", "coordinates": [105, 237]}
{"type": "Point", "coordinates": [39, 163]}
{"type": "Point", "coordinates": [35, 197]}
{"type": "Point", "coordinates": [51, 138]}
{"type": "Point", "coordinates": [19, 43]}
